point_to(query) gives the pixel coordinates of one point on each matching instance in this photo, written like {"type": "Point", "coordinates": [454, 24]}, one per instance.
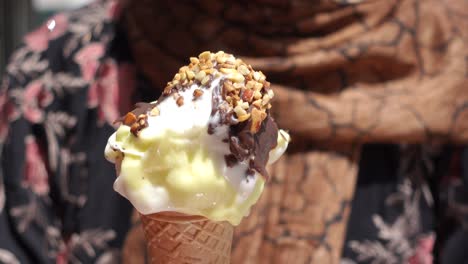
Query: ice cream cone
{"type": "Point", "coordinates": [203, 147]}
{"type": "Point", "coordinates": [178, 238]}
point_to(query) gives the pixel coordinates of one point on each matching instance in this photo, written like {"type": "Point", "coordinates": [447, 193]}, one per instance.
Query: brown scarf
{"type": "Point", "coordinates": [344, 74]}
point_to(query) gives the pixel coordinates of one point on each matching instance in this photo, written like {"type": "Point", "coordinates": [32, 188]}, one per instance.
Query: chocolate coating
{"type": "Point", "coordinates": [254, 148]}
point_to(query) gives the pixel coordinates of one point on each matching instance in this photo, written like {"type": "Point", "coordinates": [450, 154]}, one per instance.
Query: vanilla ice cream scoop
{"type": "Point", "coordinates": [202, 147]}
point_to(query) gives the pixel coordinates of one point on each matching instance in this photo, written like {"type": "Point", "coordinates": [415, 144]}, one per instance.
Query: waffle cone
{"type": "Point", "coordinates": [179, 238]}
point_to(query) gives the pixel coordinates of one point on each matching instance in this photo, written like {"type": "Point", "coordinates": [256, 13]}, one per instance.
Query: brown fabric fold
{"type": "Point", "coordinates": [344, 74]}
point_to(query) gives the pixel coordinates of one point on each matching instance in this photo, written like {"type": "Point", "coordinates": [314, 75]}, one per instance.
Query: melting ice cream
{"type": "Point", "coordinates": [202, 147]}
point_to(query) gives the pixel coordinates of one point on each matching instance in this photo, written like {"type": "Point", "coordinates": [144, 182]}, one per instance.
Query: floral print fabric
{"type": "Point", "coordinates": [61, 93]}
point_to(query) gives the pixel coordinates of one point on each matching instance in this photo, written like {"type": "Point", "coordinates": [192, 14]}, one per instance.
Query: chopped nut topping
{"type": "Point", "coordinates": [247, 93]}
{"type": "Point", "coordinates": [228, 66]}
{"type": "Point", "coordinates": [262, 77]}
{"type": "Point", "coordinates": [243, 117]}
{"type": "Point", "coordinates": [256, 76]}
{"type": "Point", "coordinates": [190, 74]}
{"type": "Point", "coordinates": [266, 99]}
{"type": "Point", "coordinates": [257, 95]}
{"type": "Point", "coordinates": [134, 129]}
{"type": "Point", "coordinates": [180, 101]}
{"type": "Point", "coordinates": [220, 53]}
{"type": "Point", "coordinates": [243, 70]}
{"type": "Point", "coordinates": [256, 120]}
{"type": "Point", "coordinates": [245, 105]}
{"type": "Point", "coordinates": [129, 119]}
{"type": "Point", "coordinates": [194, 60]}
{"type": "Point", "coordinates": [200, 75]}
{"type": "Point", "coordinates": [236, 77]}
{"type": "Point", "coordinates": [270, 93]}
{"type": "Point", "coordinates": [209, 71]}
{"type": "Point", "coordinates": [168, 88]}
{"type": "Point", "coordinates": [205, 80]}
{"type": "Point", "coordinates": [183, 76]}
{"type": "Point", "coordinates": [197, 93]}
{"type": "Point", "coordinates": [228, 86]}
{"type": "Point", "coordinates": [154, 111]}
{"type": "Point", "coordinates": [258, 86]}
{"type": "Point", "coordinates": [140, 123]}
{"type": "Point", "coordinates": [227, 71]}
{"type": "Point", "coordinates": [205, 56]}
{"type": "Point", "coordinates": [250, 84]}
{"type": "Point", "coordinates": [239, 111]}
{"type": "Point", "coordinates": [221, 58]}
{"type": "Point", "coordinates": [231, 59]}
{"type": "Point", "coordinates": [257, 103]}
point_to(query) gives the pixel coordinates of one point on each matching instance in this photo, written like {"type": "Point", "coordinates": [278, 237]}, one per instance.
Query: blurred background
{"type": "Point", "coordinates": [18, 17]}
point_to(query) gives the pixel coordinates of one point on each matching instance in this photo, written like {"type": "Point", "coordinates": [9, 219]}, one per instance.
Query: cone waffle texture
{"type": "Point", "coordinates": [176, 238]}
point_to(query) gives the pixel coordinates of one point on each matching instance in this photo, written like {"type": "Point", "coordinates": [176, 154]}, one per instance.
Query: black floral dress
{"type": "Point", "coordinates": [58, 101]}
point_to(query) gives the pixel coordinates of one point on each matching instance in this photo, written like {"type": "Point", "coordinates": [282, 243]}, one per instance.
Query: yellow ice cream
{"type": "Point", "coordinates": [175, 164]}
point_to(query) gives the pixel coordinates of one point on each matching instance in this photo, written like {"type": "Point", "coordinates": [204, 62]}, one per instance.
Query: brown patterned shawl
{"type": "Point", "coordinates": [344, 74]}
